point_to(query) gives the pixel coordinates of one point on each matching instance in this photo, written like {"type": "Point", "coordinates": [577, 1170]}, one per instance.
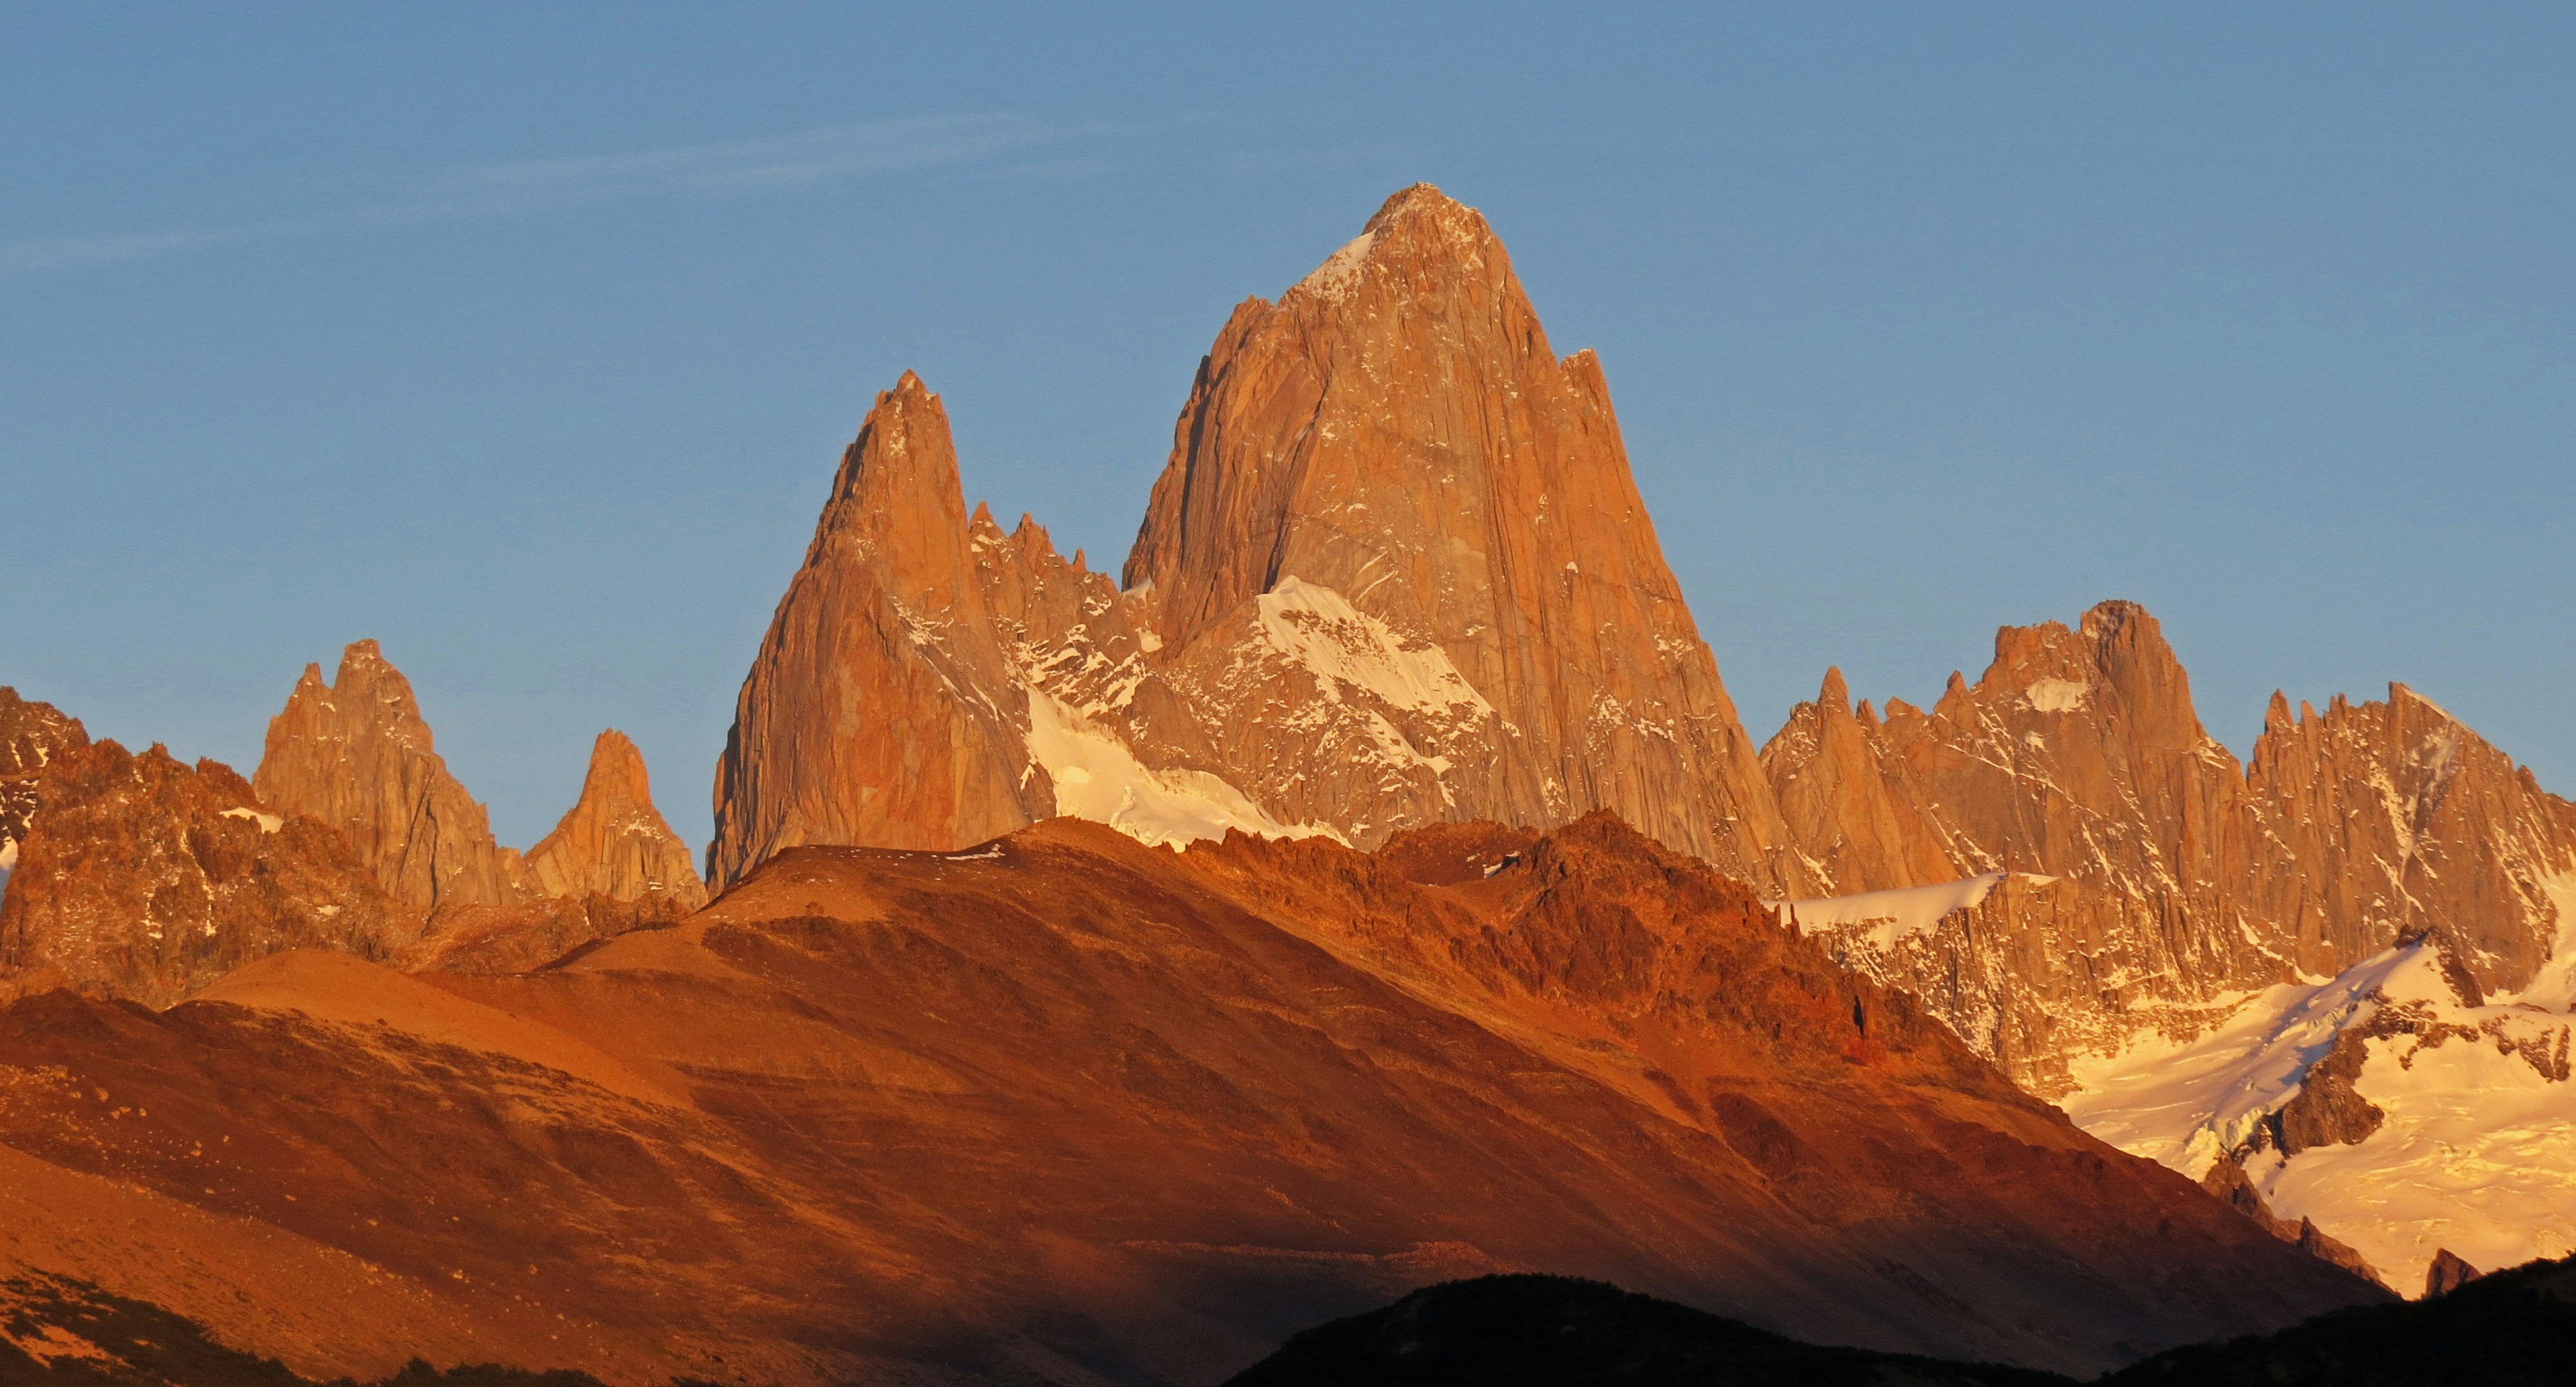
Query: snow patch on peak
{"type": "Point", "coordinates": [268, 823]}
{"type": "Point", "coordinates": [1098, 778]}
{"type": "Point", "coordinates": [1332, 280]}
{"type": "Point", "coordinates": [2058, 695]}
{"type": "Point", "coordinates": [1893, 915]}
{"type": "Point", "coordinates": [1318, 628]}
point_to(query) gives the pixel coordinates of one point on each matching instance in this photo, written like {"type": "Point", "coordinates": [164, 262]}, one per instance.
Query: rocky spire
{"type": "Point", "coordinates": [2400, 819]}
{"type": "Point", "coordinates": [1858, 831]}
{"type": "Point", "coordinates": [613, 842]}
{"type": "Point", "coordinates": [876, 712]}
{"type": "Point", "coordinates": [357, 755]}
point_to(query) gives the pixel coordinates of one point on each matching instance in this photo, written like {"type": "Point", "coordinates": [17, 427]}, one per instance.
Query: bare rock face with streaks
{"type": "Point", "coordinates": [2400, 822]}
{"type": "Point", "coordinates": [145, 878]}
{"type": "Point", "coordinates": [613, 842]}
{"type": "Point", "coordinates": [1395, 573]}
{"type": "Point", "coordinates": [356, 754]}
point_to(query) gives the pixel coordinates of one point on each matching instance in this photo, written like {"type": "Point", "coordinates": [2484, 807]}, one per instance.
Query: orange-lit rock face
{"type": "Point", "coordinates": [1396, 573]}
{"type": "Point", "coordinates": [613, 842]}
{"type": "Point", "coordinates": [1071, 1099]}
{"type": "Point", "coordinates": [877, 710]}
{"type": "Point", "coordinates": [356, 755]}
{"type": "Point", "coordinates": [144, 878]}
{"type": "Point", "coordinates": [2185, 878]}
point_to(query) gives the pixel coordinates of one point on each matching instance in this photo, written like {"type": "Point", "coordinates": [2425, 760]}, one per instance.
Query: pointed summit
{"type": "Point", "coordinates": [854, 725]}
{"type": "Point", "coordinates": [613, 842]}
{"type": "Point", "coordinates": [1397, 431]}
{"type": "Point", "coordinates": [357, 755]}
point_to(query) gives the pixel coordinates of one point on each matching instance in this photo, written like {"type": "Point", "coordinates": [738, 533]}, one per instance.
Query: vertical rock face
{"type": "Point", "coordinates": [877, 711]}
{"type": "Point", "coordinates": [1396, 432]}
{"type": "Point", "coordinates": [2402, 821]}
{"type": "Point", "coordinates": [143, 878]}
{"type": "Point", "coordinates": [1853, 821]}
{"type": "Point", "coordinates": [1395, 573]}
{"type": "Point", "coordinates": [356, 754]}
{"type": "Point", "coordinates": [31, 736]}
{"type": "Point", "coordinates": [613, 842]}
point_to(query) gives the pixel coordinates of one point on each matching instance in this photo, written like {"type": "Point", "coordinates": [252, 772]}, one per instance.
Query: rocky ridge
{"type": "Point", "coordinates": [147, 879]}
{"type": "Point", "coordinates": [2149, 882]}
{"type": "Point", "coordinates": [1396, 572]}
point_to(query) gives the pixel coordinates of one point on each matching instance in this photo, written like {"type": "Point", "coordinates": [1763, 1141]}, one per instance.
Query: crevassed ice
{"type": "Point", "coordinates": [1097, 778]}
{"type": "Point", "coordinates": [2476, 1147]}
{"type": "Point", "coordinates": [2186, 1103]}
{"type": "Point", "coordinates": [1905, 911]}
{"type": "Point", "coordinates": [1318, 628]}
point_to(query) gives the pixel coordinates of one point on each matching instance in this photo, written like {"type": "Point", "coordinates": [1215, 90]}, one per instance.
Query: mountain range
{"type": "Point", "coordinates": [1453, 923]}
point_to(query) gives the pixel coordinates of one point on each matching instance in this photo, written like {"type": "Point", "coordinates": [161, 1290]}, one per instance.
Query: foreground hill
{"type": "Point", "coordinates": [2514, 1330]}
{"type": "Point", "coordinates": [1069, 1105]}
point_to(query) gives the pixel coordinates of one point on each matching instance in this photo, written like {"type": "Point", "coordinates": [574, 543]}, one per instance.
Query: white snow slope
{"type": "Point", "coordinates": [2476, 1146]}
{"type": "Point", "coordinates": [1098, 778]}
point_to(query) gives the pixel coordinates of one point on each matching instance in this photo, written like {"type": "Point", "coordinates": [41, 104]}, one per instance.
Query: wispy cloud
{"type": "Point", "coordinates": [531, 187]}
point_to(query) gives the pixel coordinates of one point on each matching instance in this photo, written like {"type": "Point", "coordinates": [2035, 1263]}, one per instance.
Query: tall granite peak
{"type": "Point", "coordinates": [877, 711]}
{"type": "Point", "coordinates": [613, 842]}
{"type": "Point", "coordinates": [356, 754]}
{"type": "Point", "coordinates": [1397, 431]}
{"type": "Point", "coordinates": [1395, 572]}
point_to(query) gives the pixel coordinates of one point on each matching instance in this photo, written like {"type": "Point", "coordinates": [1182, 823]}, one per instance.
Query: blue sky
{"type": "Point", "coordinates": [525, 338]}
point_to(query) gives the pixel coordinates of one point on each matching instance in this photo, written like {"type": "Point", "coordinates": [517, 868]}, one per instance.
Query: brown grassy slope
{"type": "Point", "coordinates": [1074, 1106]}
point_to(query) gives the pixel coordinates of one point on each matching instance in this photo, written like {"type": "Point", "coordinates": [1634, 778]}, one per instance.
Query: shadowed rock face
{"type": "Point", "coordinates": [2182, 879]}
{"type": "Point", "coordinates": [145, 878]}
{"type": "Point", "coordinates": [357, 755]}
{"type": "Point", "coordinates": [1074, 1105]}
{"type": "Point", "coordinates": [1395, 573]}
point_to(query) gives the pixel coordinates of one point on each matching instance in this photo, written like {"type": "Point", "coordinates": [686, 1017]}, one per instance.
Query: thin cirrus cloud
{"type": "Point", "coordinates": [534, 187]}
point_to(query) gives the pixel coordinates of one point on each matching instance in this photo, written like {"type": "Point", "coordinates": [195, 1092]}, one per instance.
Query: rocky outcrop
{"type": "Point", "coordinates": [356, 754]}
{"type": "Point", "coordinates": [31, 735]}
{"type": "Point", "coordinates": [146, 879]}
{"type": "Point", "coordinates": [613, 843]}
{"type": "Point", "coordinates": [1396, 572]}
{"type": "Point", "coordinates": [2228, 1181]}
{"type": "Point", "coordinates": [2448, 1273]}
